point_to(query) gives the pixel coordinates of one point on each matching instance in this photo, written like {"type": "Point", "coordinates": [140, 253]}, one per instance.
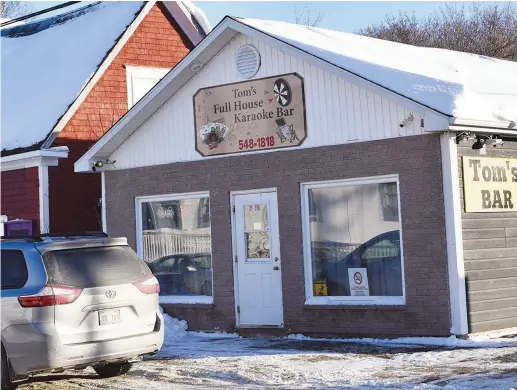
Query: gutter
{"type": "Point", "coordinates": [488, 127]}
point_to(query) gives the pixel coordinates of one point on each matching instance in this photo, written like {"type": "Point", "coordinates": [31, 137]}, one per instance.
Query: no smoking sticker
{"type": "Point", "coordinates": [358, 280]}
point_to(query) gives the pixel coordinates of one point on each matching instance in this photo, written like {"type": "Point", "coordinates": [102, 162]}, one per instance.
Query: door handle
{"type": "Point", "coordinates": [275, 268]}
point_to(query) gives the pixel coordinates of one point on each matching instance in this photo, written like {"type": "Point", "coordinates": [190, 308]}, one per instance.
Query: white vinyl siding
{"type": "Point", "coordinates": [337, 110]}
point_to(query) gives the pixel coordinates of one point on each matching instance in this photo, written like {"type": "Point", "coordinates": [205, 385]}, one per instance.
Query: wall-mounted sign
{"type": "Point", "coordinates": [259, 114]}
{"type": "Point", "coordinates": [358, 280]}
{"type": "Point", "coordinates": [489, 184]}
{"type": "Point", "coordinates": [320, 288]}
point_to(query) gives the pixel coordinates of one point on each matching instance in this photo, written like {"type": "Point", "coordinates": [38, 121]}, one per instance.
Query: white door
{"type": "Point", "coordinates": [257, 265]}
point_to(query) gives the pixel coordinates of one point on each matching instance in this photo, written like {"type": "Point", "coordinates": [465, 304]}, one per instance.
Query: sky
{"type": "Point", "coordinates": [347, 16]}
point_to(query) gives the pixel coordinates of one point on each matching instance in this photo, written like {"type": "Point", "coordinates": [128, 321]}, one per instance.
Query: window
{"type": "Point", "coordinates": [352, 250]}
{"type": "Point", "coordinates": [140, 80]}
{"type": "Point", "coordinates": [174, 239]}
{"type": "Point", "coordinates": [14, 270]}
{"type": "Point", "coordinates": [94, 267]}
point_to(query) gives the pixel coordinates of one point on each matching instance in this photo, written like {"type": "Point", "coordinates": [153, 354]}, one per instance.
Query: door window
{"type": "Point", "coordinates": [256, 229]}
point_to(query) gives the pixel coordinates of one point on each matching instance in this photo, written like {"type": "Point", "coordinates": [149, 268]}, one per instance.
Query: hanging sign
{"type": "Point", "coordinates": [259, 114]}
{"type": "Point", "coordinates": [489, 184]}
{"type": "Point", "coordinates": [358, 280]}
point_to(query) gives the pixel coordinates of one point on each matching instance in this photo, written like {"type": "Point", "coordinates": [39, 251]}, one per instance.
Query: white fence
{"type": "Point", "coordinates": [159, 244]}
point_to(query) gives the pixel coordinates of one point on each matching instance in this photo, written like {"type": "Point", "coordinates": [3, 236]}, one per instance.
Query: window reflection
{"type": "Point", "coordinates": [177, 245]}
{"type": "Point", "coordinates": [355, 227]}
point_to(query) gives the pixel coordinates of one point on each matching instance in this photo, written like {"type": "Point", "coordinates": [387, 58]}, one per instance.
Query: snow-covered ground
{"type": "Point", "coordinates": [193, 360]}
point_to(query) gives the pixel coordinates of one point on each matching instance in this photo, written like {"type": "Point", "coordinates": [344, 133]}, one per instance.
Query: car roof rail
{"type": "Point", "coordinates": [41, 237]}
{"type": "Point", "coordinates": [22, 238]}
{"type": "Point", "coordinates": [75, 234]}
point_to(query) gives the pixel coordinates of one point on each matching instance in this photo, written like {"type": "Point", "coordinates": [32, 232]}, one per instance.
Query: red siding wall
{"type": "Point", "coordinates": [157, 42]}
{"type": "Point", "coordinates": [20, 195]}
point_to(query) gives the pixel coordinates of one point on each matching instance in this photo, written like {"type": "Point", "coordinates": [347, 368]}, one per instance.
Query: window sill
{"type": "Point", "coordinates": [166, 306]}
{"type": "Point", "coordinates": [385, 303]}
{"type": "Point", "coordinates": [200, 300]}
{"type": "Point", "coordinates": [355, 307]}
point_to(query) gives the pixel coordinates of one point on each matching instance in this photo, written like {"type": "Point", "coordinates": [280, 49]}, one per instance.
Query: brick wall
{"type": "Point", "coordinates": [416, 159]}
{"type": "Point", "coordinates": [20, 195]}
{"type": "Point", "coordinates": [74, 197]}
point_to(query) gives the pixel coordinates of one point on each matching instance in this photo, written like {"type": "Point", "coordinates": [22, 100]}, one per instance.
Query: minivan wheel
{"type": "Point", "coordinates": [5, 379]}
{"type": "Point", "coordinates": [112, 369]}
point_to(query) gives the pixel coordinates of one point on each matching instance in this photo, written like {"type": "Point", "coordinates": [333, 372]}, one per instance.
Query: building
{"type": "Point", "coordinates": [66, 79]}
{"type": "Point", "coordinates": [289, 179]}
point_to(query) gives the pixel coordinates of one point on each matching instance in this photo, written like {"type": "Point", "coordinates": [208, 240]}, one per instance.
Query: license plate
{"type": "Point", "coordinates": [109, 317]}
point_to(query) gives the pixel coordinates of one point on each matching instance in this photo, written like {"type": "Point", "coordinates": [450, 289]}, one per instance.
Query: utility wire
{"type": "Point", "coordinates": [44, 11]}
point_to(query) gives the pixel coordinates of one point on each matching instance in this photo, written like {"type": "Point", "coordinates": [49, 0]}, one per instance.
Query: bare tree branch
{"type": "Point", "coordinates": [308, 17]}
{"type": "Point", "coordinates": [14, 9]}
{"type": "Point", "coordinates": [484, 29]}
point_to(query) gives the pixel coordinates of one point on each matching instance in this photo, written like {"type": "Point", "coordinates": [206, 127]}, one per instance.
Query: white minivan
{"type": "Point", "coordinates": [75, 302]}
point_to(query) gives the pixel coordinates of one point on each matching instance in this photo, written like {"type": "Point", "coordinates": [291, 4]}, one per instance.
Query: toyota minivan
{"type": "Point", "coordinates": [74, 302]}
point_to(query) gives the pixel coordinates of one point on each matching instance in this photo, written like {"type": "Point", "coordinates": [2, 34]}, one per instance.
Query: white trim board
{"type": "Point", "coordinates": [103, 205]}
{"type": "Point", "coordinates": [44, 212]}
{"type": "Point", "coordinates": [310, 299]}
{"type": "Point", "coordinates": [179, 13]}
{"type": "Point", "coordinates": [454, 234]}
{"type": "Point", "coordinates": [36, 158]}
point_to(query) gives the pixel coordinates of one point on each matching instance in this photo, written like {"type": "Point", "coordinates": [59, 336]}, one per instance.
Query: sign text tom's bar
{"type": "Point", "coordinates": [259, 114]}
{"type": "Point", "coordinates": [490, 184]}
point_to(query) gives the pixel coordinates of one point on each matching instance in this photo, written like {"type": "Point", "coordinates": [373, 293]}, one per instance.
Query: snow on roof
{"type": "Point", "coordinates": [462, 85]}
{"type": "Point", "coordinates": [196, 16]}
{"type": "Point", "coordinates": [46, 63]}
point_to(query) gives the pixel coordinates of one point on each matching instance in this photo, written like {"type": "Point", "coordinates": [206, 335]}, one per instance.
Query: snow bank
{"type": "Point", "coordinates": [452, 341]}
{"type": "Point", "coordinates": [177, 329]}
{"type": "Point", "coordinates": [462, 85]}
{"type": "Point", "coordinates": [174, 328]}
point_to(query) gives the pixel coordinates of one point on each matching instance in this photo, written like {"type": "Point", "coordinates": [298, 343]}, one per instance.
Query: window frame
{"type": "Point", "coordinates": [139, 201]}
{"type": "Point", "coordinates": [310, 299]}
{"type": "Point", "coordinates": [141, 72]}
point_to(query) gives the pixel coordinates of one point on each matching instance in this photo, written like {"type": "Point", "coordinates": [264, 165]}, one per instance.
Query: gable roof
{"type": "Point", "coordinates": [49, 65]}
{"type": "Point", "coordinates": [456, 84]}
{"type": "Point", "coordinates": [361, 59]}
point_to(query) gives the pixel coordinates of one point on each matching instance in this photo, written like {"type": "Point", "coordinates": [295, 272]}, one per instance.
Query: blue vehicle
{"type": "Point", "coordinates": [382, 260]}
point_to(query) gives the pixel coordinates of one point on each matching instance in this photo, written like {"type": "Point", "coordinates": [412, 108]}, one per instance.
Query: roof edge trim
{"type": "Point", "coordinates": [230, 23]}
{"type": "Point", "coordinates": [115, 50]}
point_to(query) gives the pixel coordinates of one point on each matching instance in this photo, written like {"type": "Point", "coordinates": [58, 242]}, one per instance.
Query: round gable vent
{"type": "Point", "coordinates": [248, 61]}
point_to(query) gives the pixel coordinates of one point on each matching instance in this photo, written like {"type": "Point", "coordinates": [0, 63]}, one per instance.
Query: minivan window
{"type": "Point", "coordinates": [14, 272]}
{"type": "Point", "coordinates": [94, 267]}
